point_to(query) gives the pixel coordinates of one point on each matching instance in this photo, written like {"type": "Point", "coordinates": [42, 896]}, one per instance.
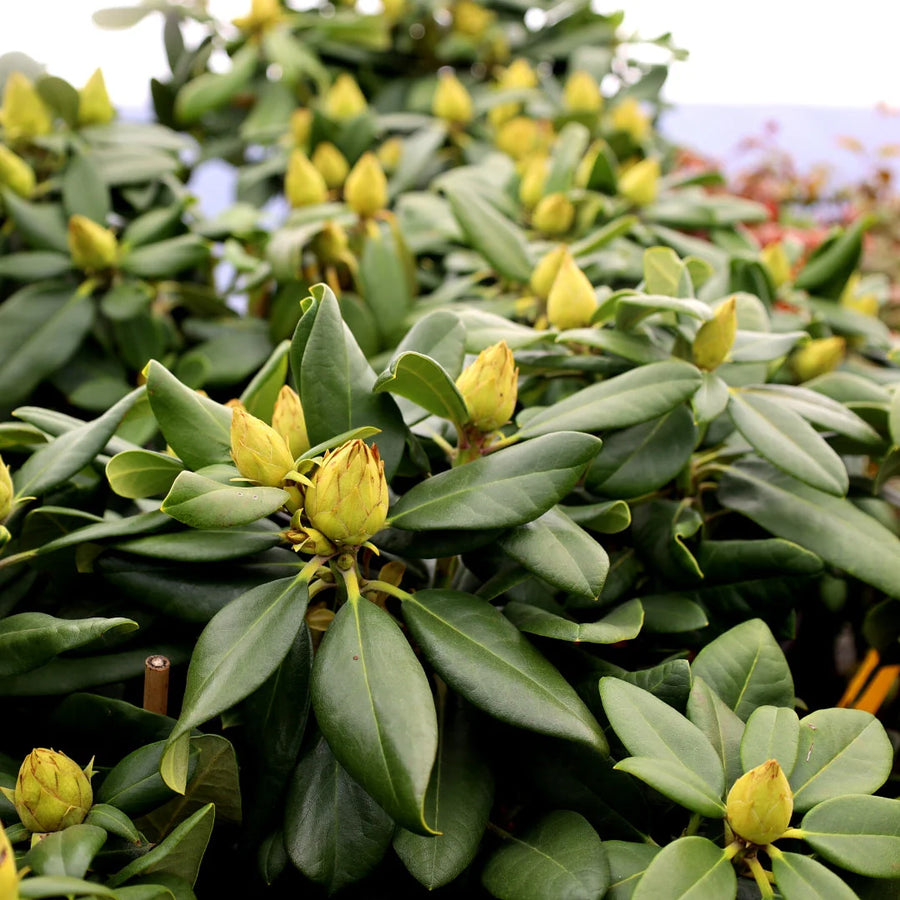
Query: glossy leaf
{"type": "Point", "coordinates": [746, 668]}
{"type": "Point", "coordinates": [261, 393]}
{"type": "Point", "coordinates": [58, 885]}
{"type": "Point", "coordinates": [802, 878]}
{"type": "Point", "coordinates": [788, 442]}
{"type": "Point", "coordinates": [676, 781]}
{"type": "Point", "coordinates": [211, 90]}
{"type": "Point", "coordinates": [835, 529]}
{"type": "Point", "coordinates": [672, 614]}
{"type": "Point", "coordinates": [334, 832]}
{"type": "Point", "coordinates": [487, 660]}
{"type": "Point", "coordinates": [690, 868]}
{"type": "Point", "coordinates": [384, 280]}
{"type": "Point", "coordinates": [506, 488]}
{"type": "Point", "coordinates": [627, 863]}
{"type": "Point", "coordinates": [238, 650]}
{"type": "Point", "coordinates": [772, 732]}
{"type": "Point", "coordinates": [83, 190]}
{"type": "Point", "coordinates": [203, 503]}
{"type": "Point", "coordinates": [204, 546]}
{"type": "Point", "coordinates": [373, 704]}
{"type": "Point", "coordinates": [113, 821]}
{"type": "Point", "coordinates": [632, 309]}
{"type": "Point", "coordinates": [424, 381]}
{"type": "Point", "coordinates": [142, 473]}
{"type": "Point", "coordinates": [606, 518]}
{"type": "Point", "coordinates": [857, 832]}
{"type": "Point", "coordinates": [722, 727]}
{"type": "Point", "coordinates": [841, 751]}
{"type": "Point", "coordinates": [67, 852]}
{"type": "Point", "coordinates": [622, 624]}
{"type": "Point", "coordinates": [561, 856]}
{"type": "Point", "coordinates": [30, 639]}
{"type": "Point", "coordinates": [637, 396]}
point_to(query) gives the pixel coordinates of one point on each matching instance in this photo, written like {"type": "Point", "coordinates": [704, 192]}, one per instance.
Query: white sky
{"type": "Point", "coordinates": [761, 52]}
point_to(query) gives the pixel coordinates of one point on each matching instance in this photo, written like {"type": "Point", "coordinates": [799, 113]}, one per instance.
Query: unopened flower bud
{"type": "Point", "coordinates": [260, 453]}
{"type": "Point", "coordinates": [365, 190]}
{"type": "Point", "coordinates": [554, 214]}
{"type": "Point", "coordinates": [344, 100]}
{"type": "Point", "coordinates": [9, 879]}
{"type": "Point", "coordinates": [52, 792]}
{"type": "Point", "coordinates": [518, 74]}
{"type": "Point", "coordinates": [94, 105]}
{"type": "Point", "coordinates": [714, 338]}
{"type": "Point", "coordinates": [288, 420]}
{"type": "Point", "coordinates": [581, 93]}
{"type": "Point", "coordinates": [24, 114]}
{"type": "Point", "coordinates": [471, 19]}
{"type": "Point", "coordinates": [263, 15]}
{"type": "Point", "coordinates": [332, 245]}
{"type": "Point", "coordinates": [572, 301]}
{"type": "Point", "coordinates": [303, 183]}
{"type": "Point", "coordinates": [331, 163]}
{"type": "Point", "coordinates": [818, 356]}
{"type": "Point", "coordinates": [774, 257]}
{"type": "Point", "coordinates": [490, 387]}
{"type": "Point", "coordinates": [15, 173]}
{"type": "Point", "coordinates": [628, 116]}
{"type": "Point", "coordinates": [760, 804]}
{"type": "Point", "coordinates": [308, 540]}
{"type": "Point", "coordinates": [7, 491]}
{"type": "Point", "coordinates": [518, 137]}
{"type": "Point", "coordinates": [92, 247]}
{"type": "Point", "coordinates": [531, 187]}
{"type": "Point", "coordinates": [348, 498]}
{"type": "Point", "coordinates": [452, 102]}
{"type": "Point", "coordinates": [300, 126]}
{"type": "Point", "coordinates": [852, 297]}
{"type": "Point", "coordinates": [390, 153]}
{"type": "Point", "coordinates": [545, 271]}
{"type": "Point", "coordinates": [640, 183]}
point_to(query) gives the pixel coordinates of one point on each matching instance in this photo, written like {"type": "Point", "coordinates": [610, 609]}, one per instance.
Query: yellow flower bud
{"type": "Point", "coordinates": [586, 165]}
{"type": "Point", "coordinates": [760, 804]}
{"type": "Point", "coordinates": [490, 386]}
{"type": "Point", "coordinates": [581, 93]}
{"type": "Point", "coordinates": [303, 183]}
{"type": "Point", "coordinates": [348, 498]}
{"type": "Point", "coordinates": [52, 792]}
{"type": "Point", "coordinates": [331, 163]}
{"type": "Point", "coordinates": [640, 182]}
{"type": "Point", "coordinates": [714, 338]}
{"type": "Point", "coordinates": [92, 247]}
{"type": "Point", "coordinates": [628, 116]}
{"type": "Point", "coordinates": [390, 153]}
{"type": "Point", "coordinates": [545, 271]}
{"type": "Point", "coordinates": [9, 879]}
{"type": "Point", "coordinates": [471, 19]}
{"type": "Point", "coordinates": [452, 102]}
{"type": "Point", "coordinates": [94, 105]}
{"type": "Point", "coordinates": [344, 100]}
{"type": "Point", "coordinates": [554, 214]}
{"type": "Point", "coordinates": [517, 137]}
{"type": "Point", "coordinates": [775, 259]}
{"type": "Point", "coordinates": [531, 187]}
{"type": "Point", "coordinates": [289, 422]}
{"type": "Point", "coordinates": [572, 300]}
{"type": "Point", "coordinates": [7, 491]}
{"type": "Point", "coordinates": [299, 126]}
{"type": "Point", "coordinates": [15, 173]}
{"type": "Point", "coordinates": [260, 453]}
{"type": "Point", "coordinates": [818, 357]}
{"type": "Point", "coordinates": [365, 190]}
{"type": "Point", "coordinates": [851, 297]}
{"type": "Point", "coordinates": [518, 74]}
{"type": "Point", "coordinates": [23, 114]}
{"type": "Point", "coordinates": [263, 15]}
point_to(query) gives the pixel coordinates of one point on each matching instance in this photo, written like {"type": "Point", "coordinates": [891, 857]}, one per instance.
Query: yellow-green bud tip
{"type": "Point", "coordinates": [554, 214]}
{"type": "Point", "coordinates": [628, 116]}
{"type": "Point", "coordinates": [344, 100]}
{"type": "Point", "coordinates": [760, 804]}
{"type": "Point", "coordinates": [7, 491]}
{"type": "Point", "coordinates": [52, 791]}
{"type": "Point", "coordinates": [9, 879]}
{"type": "Point", "coordinates": [572, 300]}
{"type": "Point", "coordinates": [303, 183]}
{"type": "Point", "coordinates": [15, 173]}
{"type": "Point", "coordinates": [289, 422]}
{"type": "Point", "coordinates": [715, 337]}
{"type": "Point", "coordinates": [581, 93]}
{"type": "Point", "coordinates": [94, 105]}
{"type": "Point", "coordinates": [260, 453]}
{"type": "Point", "coordinates": [640, 183]}
{"type": "Point", "coordinates": [23, 114]}
{"type": "Point", "coordinates": [365, 190]}
{"type": "Point", "coordinates": [489, 387]}
{"type": "Point", "coordinates": [818, 356]}
{"type": "Point", "coordinates": [331, 163]}
{"type": "Point", "coordinates": [452, 101]}
{"type": "Point", "coordinates": [545, 271]}
{"type": "Point", "coordinates": [92, 247]}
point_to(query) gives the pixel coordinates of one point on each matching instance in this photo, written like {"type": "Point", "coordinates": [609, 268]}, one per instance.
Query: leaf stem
{"type": "Point", "coordinates": [761, 876]}
{"type": "Point", "coordinates": [386, 588]}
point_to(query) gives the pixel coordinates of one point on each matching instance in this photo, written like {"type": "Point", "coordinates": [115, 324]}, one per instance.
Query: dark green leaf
{"type": "Point", "coordinates": [203, 503]}
{"type": "Point", "coordinates": [689, 868]}
{"type": "Point", "coordinates": [142, 473]}
{"type": "Point", "coordinates": [68, 852]}
{"type": "Point", "coordinates": [212, 90]}
{"type": "Point", "coordinates": [424, 381]}
{"type": "Point", "coordinates": [622, 624]}
{"type": "Point", "coordinates": [802, 878]}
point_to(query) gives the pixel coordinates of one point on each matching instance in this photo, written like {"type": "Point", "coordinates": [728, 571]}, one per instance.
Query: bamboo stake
{"type": "Point", "coordinates": [156, 684]}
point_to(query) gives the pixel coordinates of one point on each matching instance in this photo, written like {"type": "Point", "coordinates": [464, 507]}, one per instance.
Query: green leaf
{"type": "Point", "coordinates": [496, 238]}
{"type": "Point", "coordinates": [261, 393]}
{"type": "Point", "coordinates": [772, 732]}
{"type": "Point", "coordinates": [34, 265]}
{"type": "Point", "coordinates": [800, 877]}
{"type": "Point", "coordinates": [710, 399]}
{"type": "Point", "coordinates": [30, 639]}
{"type": "Point", "coordinates": [554, 548]}
{"type": "Point", "coordinates": [627, 863]}
{"type": "Point", "coordinates": [501, 490]}
{"type": "Point", "coordinates": [203, 503]}
{"type": "Point", "coordinates": [205, 546]}
{"type": "Point", "coordinates": [561, 856]}
{"type": "Point", "coordinates": [783, 438]}
{"type": "Point", "coordinates": [384, 280]}
{"type": "Point", "coordinates": [487, 660]}
{"type": "Point", "coordinates": [622, 624]}
{"type": "Point", "coordinates": [641, 459]}
{"type": "Point", "coordinates": [43, 225]}
{"type": "Point", "coordinates": [690, 868]}
{"type": "Point", "coordinates": [722, 727]}
{"type": "Point", "coordinates": [58, 885]}
{"type": "Point", "coordinates": [212, 90]}
{"type": "Point", "coordinates": [631, 309]}
{"type": "Point", "coordinates": [179, 854]}
{"type": "Point", "coordinates": [115, 17]}
{"type": "Point", "coordinates": [41, 326]}
{"type": "Point", "coordinates": [841, 751]}
{"type": "Point", "coordinates": [662, 271]}
{"type": "Point", "coordinates": [832, 527]}
{"type": "Point", "coordinates": [238, 650]}
{"type": "Point", "coordinates": [636, 396]}
{"type": "Point", "coordinates": [142, 473]}
{"type": "Point", "coordinates": [672, 615]}
{"type": "Point", "coordinates": [746, 668]}
{"type": "Point", "coordinates": [84, 191]}
{"type": "Point", "coordinates": [676, 781]}
{"type": "Point", "coordinates": [56, 462]}
{"type": "Point", "coordinates": [857, 832]}
{"type": "Point", "coordinates": [373, 704]}
{"type": "Point", "coordinates": [828, 268]}
{"type": "Point", "coordinates": [419, 151]}
{"type": "Point", "coordinates": [650, 728]}
{"type": "Point", "coordinates": [424, 381]}
{"type": "Point", "coordinates": [165, 258]}
{"type": "Point", "coordinates": [68, 852]}
{"type": "Point", "coordinates": [334, 832]}
{"type": "Point", "coordinates": [606, 518]}
{"type": "Point", "coordinates": [196, 428]}
{"type": "Point", "coordinates": [113, 821]}
{"type": "Point", "coordinates": [458, 802]}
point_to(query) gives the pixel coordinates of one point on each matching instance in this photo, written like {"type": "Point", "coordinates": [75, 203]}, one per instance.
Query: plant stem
{"type": "Point", "coordinates": [386, 588]}
{"type": "Point", "coordinates": [761, 877]}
